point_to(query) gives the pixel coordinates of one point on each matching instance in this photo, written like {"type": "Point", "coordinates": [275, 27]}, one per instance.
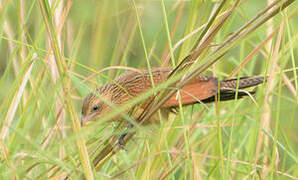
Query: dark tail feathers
{"type": "Point", "coordinates": [228, 88]}
{"type": "Point", "coordinates": [244, 82]}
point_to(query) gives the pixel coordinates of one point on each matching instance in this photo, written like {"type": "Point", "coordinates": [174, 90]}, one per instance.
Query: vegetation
{"type": "Point", "coordinates": [54, 52]}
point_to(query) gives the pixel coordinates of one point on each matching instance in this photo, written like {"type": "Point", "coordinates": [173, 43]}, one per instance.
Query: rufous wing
{"type": "Point", "coordinates": [199, 89]}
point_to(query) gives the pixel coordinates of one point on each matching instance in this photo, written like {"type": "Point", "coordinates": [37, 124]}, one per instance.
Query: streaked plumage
{"type": "Point", "coordinates": [133, 84]}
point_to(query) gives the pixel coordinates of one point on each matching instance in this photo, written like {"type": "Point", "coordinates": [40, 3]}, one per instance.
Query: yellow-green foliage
{"type": "Point", "coordinates": [54, 52]}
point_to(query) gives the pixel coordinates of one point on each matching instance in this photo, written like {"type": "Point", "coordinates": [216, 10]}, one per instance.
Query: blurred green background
{"type": "Point", "coordinates": [96, 34]}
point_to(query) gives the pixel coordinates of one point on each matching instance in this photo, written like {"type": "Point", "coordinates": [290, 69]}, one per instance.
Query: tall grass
{"type": "Point", "coordinates": [53, 53]}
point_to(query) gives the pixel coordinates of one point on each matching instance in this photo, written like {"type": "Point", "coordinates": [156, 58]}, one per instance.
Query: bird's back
{"type": "Point", "coordinates": [202, 88]}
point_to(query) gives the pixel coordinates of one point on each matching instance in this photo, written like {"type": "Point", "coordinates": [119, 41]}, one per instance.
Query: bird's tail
{"type": "Point", "coordinates": [228, 88]}
{"type": "Point", "coordinates": [205, 89]}
{"type": "Point", "coordinates": [244, 82]}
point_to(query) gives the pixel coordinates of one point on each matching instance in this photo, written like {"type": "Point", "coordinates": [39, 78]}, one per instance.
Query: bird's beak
{"type": "Point", "coordinates": [83, 120]}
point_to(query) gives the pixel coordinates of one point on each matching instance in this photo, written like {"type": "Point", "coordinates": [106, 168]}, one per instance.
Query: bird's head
{"type": "Point", "coordinates": [94, 108]}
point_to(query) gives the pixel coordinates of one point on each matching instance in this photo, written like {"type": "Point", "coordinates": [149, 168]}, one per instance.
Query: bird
{"type": "Point", "coordinates": [131, 84]}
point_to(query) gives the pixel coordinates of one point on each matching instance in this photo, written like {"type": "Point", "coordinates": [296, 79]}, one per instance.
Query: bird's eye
{"type": "Point", "coordinates": [95, 107]}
